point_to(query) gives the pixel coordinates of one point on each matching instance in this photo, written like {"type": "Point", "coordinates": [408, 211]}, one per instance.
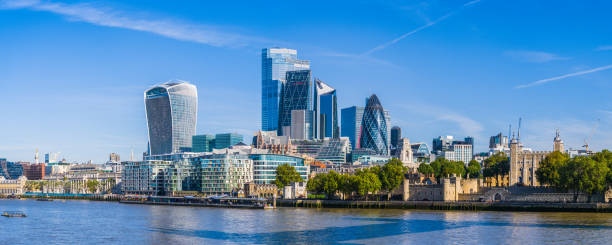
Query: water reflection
{"type": "Point", "coordinates": [83, 222]}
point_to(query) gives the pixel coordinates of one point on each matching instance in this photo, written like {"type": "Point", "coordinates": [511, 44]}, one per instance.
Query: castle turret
{"type": "Point", "coordinates": [558, 143]}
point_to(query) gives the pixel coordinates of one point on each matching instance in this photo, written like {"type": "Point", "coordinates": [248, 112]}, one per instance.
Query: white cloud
{"type": "Point", "coordinates": [547, 80]}
{"type": "Point", "coordinates": [533, 56]}
{"type": "Point", "coordinates": [104, 16]}
{"type": "Point", "coordinates": [469, 126]}
{"type": "Point", "coordinates": [539, 133]}
{"type": "Point", "coordinates": [418, 29]}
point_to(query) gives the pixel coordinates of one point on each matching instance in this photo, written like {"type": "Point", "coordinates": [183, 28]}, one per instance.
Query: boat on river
{"type": "Point", "coordinates": [11, 214]}
{"type": "Point", "coordinates": [44, 199]}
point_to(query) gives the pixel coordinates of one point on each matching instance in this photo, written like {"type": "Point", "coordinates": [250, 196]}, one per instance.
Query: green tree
{"type": "Point", "coordinates": [548, 171]}
{"type": "Point", "coordinates": [392, 174]}
{"type": "Point", "coordinates": [583, 174]}
{"type": "Point", "coordinates": [473, 169]}
{"type": "Point", "coordinates": [452, 167]}
{"type": "Point", "coordinates": [285, 174]}
{"type": "Point", "coordinates": [330, 183]}
{"type": "Point", "coordinates": [425, 169]}
{"type": "Point", "coordinates": [347, 184]}
{"type": "Point", "coordinates": [315, 185]}
{"type": "Point", "coordinates": [496, 165]}
{"type": "Point", "coordinates": [605, 156]}
{"type": "Point", "coordinates": [368, 182]}
{"type": "Point", "coordinates": [437, 166]}
{"type": "Point", "coordinates": [92, 185]}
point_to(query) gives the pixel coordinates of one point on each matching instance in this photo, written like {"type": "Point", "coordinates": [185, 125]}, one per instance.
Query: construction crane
{"type": "Point", "coordinates": [586, 141]}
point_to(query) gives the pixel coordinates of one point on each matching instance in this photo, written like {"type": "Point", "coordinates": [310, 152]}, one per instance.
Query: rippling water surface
{"type": "Point", "coordinates": [89, 222]}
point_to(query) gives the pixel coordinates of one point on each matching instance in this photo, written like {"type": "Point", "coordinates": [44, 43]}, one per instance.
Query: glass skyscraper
{"type": "Point", "coordinates": [275, 62]}
{"type": "Point", "coordinates": [351, 124]}
{"type": "Point", "coordinates": [226, 140]}
{"type": "Point", "coordinates": [171, 110]}
{"type": "Point", "coordinates": [295, 95]}
{"type": "Point", "coordinates": [375, 127]}
{"type": "Point", "coordinates": [326, 111]}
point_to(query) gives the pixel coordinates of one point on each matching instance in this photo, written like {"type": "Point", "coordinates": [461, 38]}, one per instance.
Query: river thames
{"type": "Point", "coordinates": [91, 222]}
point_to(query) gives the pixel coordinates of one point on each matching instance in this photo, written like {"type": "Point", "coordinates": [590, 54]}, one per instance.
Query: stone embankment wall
{"type": "Point", "coordinates": [439, 205]}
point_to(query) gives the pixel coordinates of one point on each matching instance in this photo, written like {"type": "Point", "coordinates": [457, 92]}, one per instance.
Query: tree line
{"type": "Point", "coordinates": [441, 167]}
{"type": "Point", "coordinates": [363, 183]}
{"type": "Point", "coordinates": [587, 174]}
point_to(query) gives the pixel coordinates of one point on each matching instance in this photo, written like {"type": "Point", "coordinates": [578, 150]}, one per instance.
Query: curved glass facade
{"type": "Point", "coordinates": [326, 111]}
{"type": "Point", "coordinates": [374, 127]}
{"type": "Point", "coordinates": [295, 95]}
{"type": "Point", "coordinates": [264, 166]}
{"type": "Point", "coordinates": [171, 110]}
{"type": "Point", "coordinates": [275, 62]}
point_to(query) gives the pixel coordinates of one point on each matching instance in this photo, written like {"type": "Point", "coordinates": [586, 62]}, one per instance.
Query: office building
{"type": "Point", "coordinates": [114, 158]}
{"type": "Point", "coordinates": [334, 151]}
{"type": "Point", "coordinates": [227, 139]}
{"type": "Point", "coordinates": [264, 166]}
{"type": "Point", "coordinates": [12, 186]}
{"type": "Point", "coordinates": [295, 95]}
{"type": "Point", "coordinates": [275, 62]}
{"type": "Point", "coordinates": [420, 152]}
{"type": "Point", "coordinates": [375, 127]}
{"type": "Point", "coordinates": [326, 111]}
{"type": "Point", "coordinates": [171, 110]}
{"type": "Point", "coordinates": [224, 173]}
{"type": "Point", "coordinates": [202, 143]}
{"type": "Point", "coordinates": [351, 124]}
{"type": "Point", "coordinates": [33, 171]}
{"type": "Point", "coordinates": [302, 126]}
{"type": "Point", "coordinates": [454, 150]}
{"type": "Point", "coordinates": [396, 136]}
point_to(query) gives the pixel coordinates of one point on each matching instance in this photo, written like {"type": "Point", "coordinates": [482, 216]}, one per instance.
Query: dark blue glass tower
{"type": "Point", "coordinates": [295, 95]}
{"type": "Point", "coordinates": [326, 111]}
{"type": "Point", "coordinates": [275, 62]}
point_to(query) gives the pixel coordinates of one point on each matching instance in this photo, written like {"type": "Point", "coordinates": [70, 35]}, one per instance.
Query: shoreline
{"type": "Point", "coordinates": [355, 204]}
{"type": "Point", "coordinates": [457, 206]}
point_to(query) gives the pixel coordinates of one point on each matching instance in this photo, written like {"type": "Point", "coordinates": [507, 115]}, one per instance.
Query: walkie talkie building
{"type": "Point", "coordinates": [171, 110]}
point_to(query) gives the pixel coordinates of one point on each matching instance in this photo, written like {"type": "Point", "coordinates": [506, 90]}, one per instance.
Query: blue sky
{"type": "Point", "coordinates": [73, 73]}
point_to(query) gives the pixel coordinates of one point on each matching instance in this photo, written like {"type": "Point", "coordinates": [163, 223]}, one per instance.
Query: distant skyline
{"type": "Point", "coordinates": [74, 72]}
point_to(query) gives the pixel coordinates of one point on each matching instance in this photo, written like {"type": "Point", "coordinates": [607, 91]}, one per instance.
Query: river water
{"type": "Point", "coordinates": [91, 222]}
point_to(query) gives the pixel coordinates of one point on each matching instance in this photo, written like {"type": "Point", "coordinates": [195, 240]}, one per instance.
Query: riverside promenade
{"type": "Point", "coordinates": [440, 205]}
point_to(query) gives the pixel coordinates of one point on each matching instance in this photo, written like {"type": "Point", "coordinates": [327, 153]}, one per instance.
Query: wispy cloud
{"type": "Point", "coordinates": [533, 56]}
{"type": "Point", "coordinates": [420, 28]}
{"type": "Point", "coordinates": [105, 16]}
{"type": "Point", "coordinates": [552, 79]}
{"type": "Point", "coordinates": [604, 48]}
{"type": "Point", "coordinates": [469, 126]}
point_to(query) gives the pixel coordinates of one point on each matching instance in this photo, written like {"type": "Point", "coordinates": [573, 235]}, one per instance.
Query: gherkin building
{"type": "Point", "coordinates": [374, 127]}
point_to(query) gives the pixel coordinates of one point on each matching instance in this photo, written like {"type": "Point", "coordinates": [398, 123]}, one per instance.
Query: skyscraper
{"type": "Point", "coordinates": [396, 137]}
{"type": "Point", "coordinates": [275, 62]}
{"type": "Point", "coordinates": [326, 111]}
{"type": "Point", "coordinates": [351, 124]}
{"type": "Point", "coordinates": [295, 95]}
{"type": "Point", "coordinates": [375, 128]}
{"type": "Point", "coordinates": [226, 140]}
{"type": "Point", "coordinates": [171, 110]}
{"type": "Point", "coordinates": [302, 124]}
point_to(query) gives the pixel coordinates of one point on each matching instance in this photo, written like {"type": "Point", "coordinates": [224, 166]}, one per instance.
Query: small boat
{"type": "Point", "coordinates": [268, 206]}
{"type": "Point", "coordinates": [44, 199]}
{"type": "Point", "coordinates": [10, 214]}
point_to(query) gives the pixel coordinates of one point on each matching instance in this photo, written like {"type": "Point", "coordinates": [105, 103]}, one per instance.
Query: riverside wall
{"type": "Point", "coordinates": [440, 205]}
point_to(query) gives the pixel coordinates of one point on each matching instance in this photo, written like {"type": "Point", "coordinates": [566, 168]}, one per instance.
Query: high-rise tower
{"type": "Point", "coordinates": [171, 110]}
{"type": "Point", "coordinates": [326, 111]}
{"type": "Point", "coordinates": [295, 95]}
{"type": "Point", "coordinates": [275, 62]}
{"type": "Point", "coordinates": [375, 127]}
